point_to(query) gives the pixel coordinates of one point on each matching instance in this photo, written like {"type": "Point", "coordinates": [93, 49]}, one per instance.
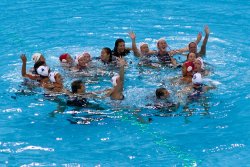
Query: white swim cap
{"type": "Point", "coordinates": [197, 79]}
{"type": "Point", "coordinates": [36, 57]}
{"type": "Point", "coordinates": [202, 63]}
{"type": "Point", "coordinates": [52, 76]}
{"type": "Point", "coordinates": [43, 71]}
{"type": "Point", "coordinates": [142, 43]}
{"type": "Point", "coordinates": [161, 39]}
{"type": "Point", "coordinates": [82, 55]}
{"type": "Point", "coordinates": [113, 79]}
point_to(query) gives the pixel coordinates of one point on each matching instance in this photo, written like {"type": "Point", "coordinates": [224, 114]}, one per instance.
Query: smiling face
{"type": "Point", "coordinates": [84, 60]}
{"type": "Point", "coordinates": [197, 65]}
{"type": "Point", "coordinates": [104, 55]}
{"type": "Point", "coordinates": [162, 45]}
{"type": "Point", "coordinates": [192, 47]}
{"type": "Point", "coordinates": [144, 49]}
{"type": "Point", "coordinates": [121, 47]}
{"type": "Point", "coordinates": [191, 57]}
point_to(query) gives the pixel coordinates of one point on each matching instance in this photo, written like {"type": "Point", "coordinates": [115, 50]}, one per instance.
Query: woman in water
{"type": "Point", "coordinates": [120, 50]}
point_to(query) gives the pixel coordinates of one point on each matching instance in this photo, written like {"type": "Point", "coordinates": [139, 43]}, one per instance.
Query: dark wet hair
{"type": "Point", "coordinates": [38, 64]}
{"type": "Point", "coordinates": [115, 52]}
{"type": "Point", "coordinates": [75, 85]}
{"type": "Point", "coordinates": [188, 56]}
{"type": "Point", "coordinates": [160, 92]}
{"type": "Point", "coordinates": [109, 52]}
{"type": "Point", "coordinates": [191, 43]}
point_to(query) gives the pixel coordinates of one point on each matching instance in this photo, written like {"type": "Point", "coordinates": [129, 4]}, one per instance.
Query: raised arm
{"type": "Point", "coordinates": [186, 49]}
{"type": "Point", "coordinates": [134, 47]}
{"type": "Point", "coordinates": [198, 39]}
{"type": "Point", "coordinates": [24, 60]}
{"type": "Point", "coordinates": [204, 43]}
{"type": "Point", "coordinates": [120, 84]}
{"type": "Point", "coordinates": [116, 93]}
{"type": "Point", "coordinates": [24, 73]}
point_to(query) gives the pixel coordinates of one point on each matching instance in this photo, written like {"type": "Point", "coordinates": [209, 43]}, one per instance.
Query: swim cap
{"type": "Point", "coordinates": [189, 66]}
{"type": "Point", "coordinates": [43, 71]}
{"type": "Point", "coordinates": [63, 57]}
{"type": "Point", "coordinates": [52, 76]}
{"type": "Point", "coordinates": [85, 54]}
{"type": "Point", "coordinates": [202, 63]}
{"type": "Point", "coordinates": [36, 57]}
{"type": "Point", "coordinates": [197, 79]}
{"type": "Point", "coordinates": [114, 79]}
{"type": "Point", "coordinates": [142, 43]}
{"type": "Point", "coordinates": [161, 39]}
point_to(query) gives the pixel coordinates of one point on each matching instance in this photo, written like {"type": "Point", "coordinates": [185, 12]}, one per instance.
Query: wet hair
{"type": "Point", "coordinates": [38, 64]}
{"type": "Point", "coordinates": [191, 43]}
{"type": "Point", "coordinates": [109, 52]}
{"type": "Point", "coordinates": [115, 52]}
{"type": "Point", "coordinates": [188, 56]}
{"type": "Point", "coordinates": [75, 85]}
{"type": "Point", "coordinates": [160, 92]}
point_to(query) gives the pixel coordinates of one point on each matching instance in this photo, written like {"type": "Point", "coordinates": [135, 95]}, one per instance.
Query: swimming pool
{"type": "Point", "coordinates": [216, 134]}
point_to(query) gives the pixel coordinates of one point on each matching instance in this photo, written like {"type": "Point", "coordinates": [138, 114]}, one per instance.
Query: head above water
{"type": "Point", "coordinates": [106, 55]}
{"type": "Point", "coordinates": [162, 93]}
{"type": "Point", "coordinates": [77, 87]}
{"type": "Point", "coordinates": [65, 58]}
{"type": "Point", "coordinates": [119, 45]}
{"type": "Point", "coordinates": [192, 47]}
{"type": "Point", "coordinates": [144, 48]}
{"type": "Point", "coordinates": [199, 65]}
{"type": "Point", "coordinates": [191, 57]}
{"type": "Point", "coordinates": [162, 44]}
{"type": "Point", "coordinates": [83, 60]}
{"type": "Point", "coordinates": [38, 57]}
{"type": "Point", "coordinates": [41, 69]}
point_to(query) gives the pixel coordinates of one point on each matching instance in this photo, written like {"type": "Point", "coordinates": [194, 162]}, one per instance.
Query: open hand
{"type": "Point", "coordinates": [23, 58]}
{"type": "Point", "coordinates": [132, 35]}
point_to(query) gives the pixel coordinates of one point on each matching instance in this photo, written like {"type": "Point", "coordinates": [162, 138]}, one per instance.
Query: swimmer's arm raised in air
{"type": "Point", "coordinates": [134, 47]}
{"type": "Point", "coordinates": [204, 43]}
{"type": "Point", "coordinates": [122, 63]}
{"type": "Point", "coordinates": [24, 74]}
{"type": "Point", "coordinates": [186, 49]}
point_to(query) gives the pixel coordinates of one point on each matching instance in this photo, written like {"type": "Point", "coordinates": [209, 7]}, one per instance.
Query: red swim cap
{"type": "Point", "coordinates": [189, 66]}
{"type": "Point", "coordinates": [64, 56]}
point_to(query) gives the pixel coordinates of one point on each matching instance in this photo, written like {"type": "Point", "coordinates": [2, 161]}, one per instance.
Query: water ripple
{"type": "Point", "coordinates": [34, 148]}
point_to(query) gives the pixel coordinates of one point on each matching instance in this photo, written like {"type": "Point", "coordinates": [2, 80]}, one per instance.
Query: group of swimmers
{"type": "Point", "coordinates": [193, 69]}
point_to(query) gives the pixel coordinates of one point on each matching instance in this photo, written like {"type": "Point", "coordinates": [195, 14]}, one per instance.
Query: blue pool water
{"type": "Point", "coordinates": [215, 134]}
